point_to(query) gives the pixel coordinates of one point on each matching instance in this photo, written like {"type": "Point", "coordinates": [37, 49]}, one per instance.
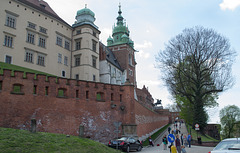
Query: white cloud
{"type": "Point", "coordinates": [146, 44]}
{"type": "Point", "coordinates": [229, 4]}
{"type": "Point", "coordinates": [150, 82]}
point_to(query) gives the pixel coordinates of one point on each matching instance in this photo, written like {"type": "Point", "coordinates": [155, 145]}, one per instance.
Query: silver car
{"type": "Point", "coordinates": [231, 145]}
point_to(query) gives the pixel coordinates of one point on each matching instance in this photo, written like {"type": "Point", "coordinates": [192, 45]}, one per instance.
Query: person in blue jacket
{"type": "Point", "coordinates": [189, 138]}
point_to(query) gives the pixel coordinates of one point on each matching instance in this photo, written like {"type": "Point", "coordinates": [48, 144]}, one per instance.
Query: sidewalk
{"type": "Point", "coordinates": [159, 149]}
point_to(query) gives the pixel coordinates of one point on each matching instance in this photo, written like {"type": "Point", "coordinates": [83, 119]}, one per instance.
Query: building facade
{"type": "Point", "coordinates": [95, 86]}
{"type": "Point", "coordinates": [35, 37]}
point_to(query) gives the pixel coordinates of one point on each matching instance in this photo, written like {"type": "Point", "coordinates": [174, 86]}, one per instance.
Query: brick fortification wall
{"type": "Point", "coordinates": [148, 120]}
{"type": "Point", "coordinates": [77, 106]}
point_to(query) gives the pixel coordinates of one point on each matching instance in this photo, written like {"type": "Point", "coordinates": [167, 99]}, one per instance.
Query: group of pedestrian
{"type": "Point", "coordinates": [180, 143]}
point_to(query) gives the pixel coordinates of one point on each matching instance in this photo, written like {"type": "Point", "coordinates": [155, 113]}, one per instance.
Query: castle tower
{"type": "Point", "coordinates": [123, 48]}
{"type": "Point", "coordinates": [85, 51]}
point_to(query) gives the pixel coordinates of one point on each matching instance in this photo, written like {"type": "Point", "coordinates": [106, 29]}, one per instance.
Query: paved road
{"type": "Point", "coordinates": [193, 149]}
{"type": "Point", "coordinates": [159, 149]}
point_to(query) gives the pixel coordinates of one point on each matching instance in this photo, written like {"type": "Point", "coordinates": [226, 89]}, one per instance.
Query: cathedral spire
{"type": "Point", "coordinates": [119, 18]}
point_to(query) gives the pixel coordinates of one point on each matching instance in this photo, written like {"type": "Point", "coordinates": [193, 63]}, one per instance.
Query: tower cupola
{"type": "Point", "coordinates": [85, 15]}
{"type": "Point", "coordinates": [120, 32]}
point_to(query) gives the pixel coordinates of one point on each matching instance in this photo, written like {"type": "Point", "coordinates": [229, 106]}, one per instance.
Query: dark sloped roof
{"type": "Point", "coordinates": [42, 6]}
{"type": "Point", "coordinates": [110, 57]}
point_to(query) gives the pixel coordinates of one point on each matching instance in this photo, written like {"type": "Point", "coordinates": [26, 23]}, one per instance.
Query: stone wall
{"type": "Point", "coordinates": [61, 106]}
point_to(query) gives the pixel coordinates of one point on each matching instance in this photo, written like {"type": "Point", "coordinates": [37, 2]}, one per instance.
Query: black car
{"type": "Point", "coordinates": [126, 144]}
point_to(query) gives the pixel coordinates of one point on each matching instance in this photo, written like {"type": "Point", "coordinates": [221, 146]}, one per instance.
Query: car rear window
{"type": "Point", "coordinates": [228, 145]}
{"type": "Point", "coordinates": [123, 139]}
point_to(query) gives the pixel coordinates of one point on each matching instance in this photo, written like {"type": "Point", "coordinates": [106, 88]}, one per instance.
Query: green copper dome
{"type": "Point", "coordinates": [124, 36]}
{"type": "Point", "coordinates": [85, 11]}
{"type": "Point", "coordinates": [120, 32]}
{"type": "Point", "coordinates": [109, 38]}
{"type": "Point", "coordinates": [85, 16]}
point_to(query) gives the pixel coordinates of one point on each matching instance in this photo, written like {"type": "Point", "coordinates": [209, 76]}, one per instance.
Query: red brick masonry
{"type": "Point", "coordinates": [78, 105]}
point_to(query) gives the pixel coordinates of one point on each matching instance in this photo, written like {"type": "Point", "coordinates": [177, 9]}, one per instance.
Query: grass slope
{"type": "Point", "coordinates": [12, 141]}
{"type": "Point", "coordinates": [155, 135]}
{"type": "Point", "coordinates": [205, 138]}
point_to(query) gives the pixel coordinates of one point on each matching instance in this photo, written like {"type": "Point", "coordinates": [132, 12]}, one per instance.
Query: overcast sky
{"type": "Point", "coordinates": [152, 23]}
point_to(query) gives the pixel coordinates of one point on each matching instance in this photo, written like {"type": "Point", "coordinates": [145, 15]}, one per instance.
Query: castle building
{"type": "Point", "coordinates": [35, 37]}
{"type": "Point", "coordinates": [96, 84]}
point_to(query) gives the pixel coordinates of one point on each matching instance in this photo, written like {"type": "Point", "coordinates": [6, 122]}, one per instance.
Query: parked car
{"type": "Point", "coordinates": [126, 144]}
{"type": "Point", "coordinates": [231, 145]}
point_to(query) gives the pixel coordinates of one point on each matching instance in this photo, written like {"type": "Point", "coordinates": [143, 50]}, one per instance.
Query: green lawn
{"type": "Point", "coordinates": [12, 141]}
{"type": "Point", "coordinates": [205, 138]}
{"type": "Point", "coordinates": [155, 135]}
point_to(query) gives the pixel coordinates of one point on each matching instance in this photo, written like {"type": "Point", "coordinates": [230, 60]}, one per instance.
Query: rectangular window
{"type": "Point", "coordinates": [30, 37]}
{"type": "Point", "coordinates": [78, 32]}
{"type": "Point", "coordinates": [77, 76]}
{"type": "Point", "coordinates": [61, 92]}
{"type": "Point", "coordinates": [94, 33]}
{"type": "Point", "coordinates": [31, 25]}
{"type": "Point", "coordinates": [8, 41]}
{"type": "Point", "coordinates": [46, 91]}
{"type": "Point", "coordinates": [77, 91]}
{"type": "Point", "coordinates": [59, 58]}
{"type": "Point", "coordinates": [11, 21]}
{"type": "Point", "coordinates": [8, 59]}
{"type": "Point", "coordinates": [120, 97]}
{"type": "Point", "coordinates": [59, 41]}
{"type": "Point", "coordinates": [42, 42]}
{"type": "Point", "coordinates": [65, 60]}
{"type": "Point", "coordinates": [41, 60]}
{"type": "Point", "coordinates": [0, 85]}
{"type": "Point", "coordinates": [78, 45]}
{"type": "Point", "coordinates": [29, 56]}
{"type": "Point", "coordinates": [35, 89]}
{"type": "Point", "coordinates": [111, 96]}
{"type": "Point", "coordinates": [63, 74]}
{"type": "Point", "coordinates": [94, 46]}
{"type": "Point", "coordinates": [87, 94]}
{"type": "Point", "coordinates": [130, 72]}
{"type": "Point", "coordinates": [94, 61]}
{"type": "Point", "coordinates": [67, 45]}
{"type": "Point", "coordinates": [77, 60]}
{"type": "Point", "coordinates": [43, 30]}
{"type": "Point", "coordinates": [94, 77]}
{"type": "Point", "coordinates": [17, 88]}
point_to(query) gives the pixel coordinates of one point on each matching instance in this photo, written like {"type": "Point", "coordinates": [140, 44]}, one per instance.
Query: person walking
{"type": "Point", "coordinates": [189, 138]}
{"type": "Point", "coordinates": [183, 149]}
{"type": "Point", "coordinates": [172, 148]}
{"type": "Point", "coordinates": [178, 144]}
{"type": "Point", "coordinates": [165, 142]}
{"type": "Point", "coordinates": [169, 130]}
{"type": "Point", "coordinates": [182, 139]}
{"type": "Point", "coordinates": [185, 141]}
{"type": "Point", "coordinates": [150, 142]}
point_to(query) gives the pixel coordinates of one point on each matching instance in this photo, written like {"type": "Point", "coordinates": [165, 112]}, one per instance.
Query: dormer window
{"type": "Point", "coordinates": [43, 6]}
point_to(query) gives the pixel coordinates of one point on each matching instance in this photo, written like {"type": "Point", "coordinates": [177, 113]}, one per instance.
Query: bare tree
{"type": "Point", "coordinates": [196, 65]}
